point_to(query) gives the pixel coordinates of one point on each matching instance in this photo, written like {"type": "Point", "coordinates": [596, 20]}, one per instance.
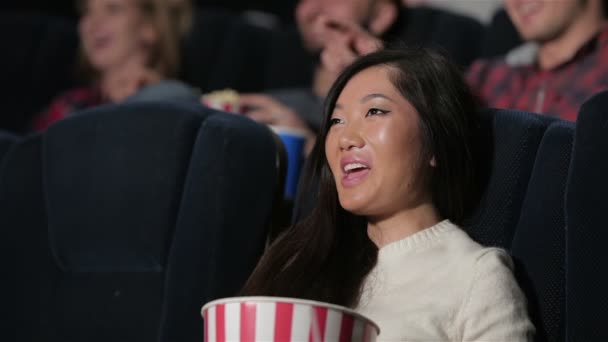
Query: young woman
{"type": "Point", "coordinates": [126, 45]}
{"type": "Point", "coordinates": [396, 163]}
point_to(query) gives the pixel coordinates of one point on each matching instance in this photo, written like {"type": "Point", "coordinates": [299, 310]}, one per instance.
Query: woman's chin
{"type": "Point", "coordinates": [100, 64]}
{"type": "Point", "coordinates": [357, 207]}
{"type": "Point", "coordinates": [103, 61]}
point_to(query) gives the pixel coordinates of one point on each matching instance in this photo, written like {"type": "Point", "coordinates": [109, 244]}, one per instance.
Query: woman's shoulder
{"type": "Point", "coordinates": [489, 270]}
{"type": "Point", "coordinates": [479, 256]}
{"type": "Point", "coordinates": [494, 306]}
{"type": "Point", "coordinates": [493, 260]}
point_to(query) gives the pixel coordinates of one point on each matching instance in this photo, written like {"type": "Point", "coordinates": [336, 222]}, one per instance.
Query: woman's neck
{"type": "Point", "coordinates": [116, 75]}
{"type": "Point", "coordinates": [385, 230]}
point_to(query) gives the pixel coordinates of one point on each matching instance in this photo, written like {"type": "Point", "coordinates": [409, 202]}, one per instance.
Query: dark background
{"type": "Point", "coordinates": [282, 8]}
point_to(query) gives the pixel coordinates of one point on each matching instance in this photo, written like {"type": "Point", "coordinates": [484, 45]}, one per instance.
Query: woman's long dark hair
{"type": "Point", "coordinates": [327, 256]}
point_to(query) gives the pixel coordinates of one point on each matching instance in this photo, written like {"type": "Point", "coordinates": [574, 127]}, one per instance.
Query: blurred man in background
{"type": "Point", "coordinates": [563, 64]}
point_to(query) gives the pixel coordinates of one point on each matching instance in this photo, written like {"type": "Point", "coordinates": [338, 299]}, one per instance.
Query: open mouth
{"type": "Point", "coordinates": [354, 168]}
{"type": "Point", "coordinates": [354, 173]}
{"type": "Point", "coordinates": [101, 42]}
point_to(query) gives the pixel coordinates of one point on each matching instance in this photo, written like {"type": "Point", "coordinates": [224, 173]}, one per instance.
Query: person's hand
{"type": "Point", "coordinates": [128, 83]}
{"type": "Point", "coordinates": [265, 109]}
{"type": "Point", "coordinates": [345, 44]}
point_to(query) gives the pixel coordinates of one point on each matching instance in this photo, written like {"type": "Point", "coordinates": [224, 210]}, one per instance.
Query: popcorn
{"type": "Point", "coordinates": [226, 100]}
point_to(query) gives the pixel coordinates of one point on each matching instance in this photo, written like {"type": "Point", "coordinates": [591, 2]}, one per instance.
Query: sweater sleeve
{"type": "Point", "coordinates": [495, 307]}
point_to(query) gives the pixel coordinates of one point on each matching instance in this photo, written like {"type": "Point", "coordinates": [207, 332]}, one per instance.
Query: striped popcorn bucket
{"type": "Point", "coordinates": [274, 319]}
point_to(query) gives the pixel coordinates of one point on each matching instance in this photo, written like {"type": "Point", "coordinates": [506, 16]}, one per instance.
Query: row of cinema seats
{"type": "Point", "coordinates": [119, 223]}
{"type": "Point", "coordinates": [224, 49]}
{"type": "Point", "coordinates": [545, 203]}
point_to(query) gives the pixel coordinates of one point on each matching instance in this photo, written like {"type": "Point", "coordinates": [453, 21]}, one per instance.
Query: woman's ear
{"type": "Point", "coordinates": [433, 162]}
{"type": "Point", "coordinates": [383, 16]}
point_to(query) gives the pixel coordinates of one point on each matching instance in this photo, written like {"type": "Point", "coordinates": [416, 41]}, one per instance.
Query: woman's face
{"type": "Point", "coordinates": [374, 147]}
{"type": "Point", "coordinates": [113, 33]}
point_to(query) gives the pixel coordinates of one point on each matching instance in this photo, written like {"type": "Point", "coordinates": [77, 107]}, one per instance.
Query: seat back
{"type": "Point", "coordinates": [539, 243]}
{"type": "Point", "coordinates": [288, 64]}
{"type": "Point", "coordinates": [112, 201]}
{"type": "Point", "coordinates": [221, 227]}
{"type": "Point", "coordinates": [201, 46]}
{"type": "Point", "coordinates": [246, 57]}
{"type": "Point", "coordinates": [6, 141]}
{"type": "Point", "coordinates": [586, 208]}
{"type": "Point", "coordinates": [241, 60]}
{"type": "Point", "coordinates": [21, 206]}
{"type": "Point", "coordinates": [458, 35]}
{"type": "Point", "coordinates": [516, 137]}
{"type": "Point", "coordinates": [104, 192]}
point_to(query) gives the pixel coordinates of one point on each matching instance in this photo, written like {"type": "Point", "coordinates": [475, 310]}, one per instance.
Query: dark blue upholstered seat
{"type": "Point", "coordinates": [122, 221]}
{"type": "Point", "coordinates": [587, 236]}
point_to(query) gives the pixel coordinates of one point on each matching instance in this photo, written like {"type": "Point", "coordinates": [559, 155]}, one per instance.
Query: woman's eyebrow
{"type": "Point", "coordinates": [375, 95]}
{"type": "Point", "coordinates": [337, 106]}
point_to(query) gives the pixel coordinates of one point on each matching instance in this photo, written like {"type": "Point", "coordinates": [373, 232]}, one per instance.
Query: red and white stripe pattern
{"type": "Point", "coordinates": [283, 322]}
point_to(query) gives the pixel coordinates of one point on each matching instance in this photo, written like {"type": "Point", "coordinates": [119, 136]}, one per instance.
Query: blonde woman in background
{"type": "Point", "coordinates": [129, 50]}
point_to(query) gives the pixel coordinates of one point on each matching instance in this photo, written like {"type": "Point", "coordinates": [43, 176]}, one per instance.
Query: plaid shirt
{"type": "Point", "coordinates": [69, 102]}
{"type": "Point", "coordinates": [558, 92]}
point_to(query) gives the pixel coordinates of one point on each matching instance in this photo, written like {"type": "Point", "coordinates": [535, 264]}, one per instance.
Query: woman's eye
{"type": "Point", "coordinates": [375, 111]}
{"type": "Point", "coordinates": [334, 121]}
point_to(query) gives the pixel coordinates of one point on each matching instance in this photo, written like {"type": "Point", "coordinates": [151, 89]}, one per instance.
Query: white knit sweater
{"type": "Point", "coordinates": [440, 285]}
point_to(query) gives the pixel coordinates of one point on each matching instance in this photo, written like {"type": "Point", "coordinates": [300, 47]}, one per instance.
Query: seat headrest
{"type": "Point", "coordinates": [113, 177]}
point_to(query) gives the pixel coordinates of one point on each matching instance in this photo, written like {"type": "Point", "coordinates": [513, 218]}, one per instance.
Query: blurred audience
{"type": "Point", "coordinates": [562, 64]}
{"type": "Point", "coordinates": [320, 22]}
{"type": "Point", "coordinates": [339, 31]}
{"type": "Point", "coordinates": [129, 51]}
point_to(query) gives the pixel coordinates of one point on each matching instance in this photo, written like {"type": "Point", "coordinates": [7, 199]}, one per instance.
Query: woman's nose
{"type": "Point", "coordinates": [351, 138]}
